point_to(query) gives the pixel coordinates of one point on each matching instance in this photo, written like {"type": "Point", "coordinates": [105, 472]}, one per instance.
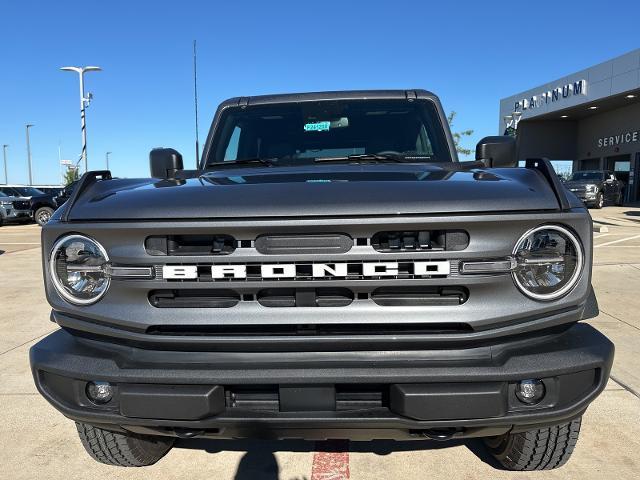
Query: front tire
{"type": "Point", "coordinates": [599, 203]}
{"type": "Point", "coordinates": [540, 449]}
{"type": "Point", "coordinates": [43, 215]}
{"type": "Point", "coordinates": [122, 449]}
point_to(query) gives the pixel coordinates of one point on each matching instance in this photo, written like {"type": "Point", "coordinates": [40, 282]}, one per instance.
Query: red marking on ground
{"type": "Point", "coordinates": [331, 460]}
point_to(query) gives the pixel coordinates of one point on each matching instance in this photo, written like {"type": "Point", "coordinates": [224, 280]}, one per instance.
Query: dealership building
{"type": "Point", "coordinates": [591, 118]}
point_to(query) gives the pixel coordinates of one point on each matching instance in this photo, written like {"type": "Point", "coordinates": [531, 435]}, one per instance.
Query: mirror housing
{"type": "Point", "coordinates": [497, 151]}
{"type": "Point", "coordinates": [165, 162]}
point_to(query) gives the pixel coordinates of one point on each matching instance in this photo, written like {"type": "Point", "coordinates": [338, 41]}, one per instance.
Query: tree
{"type": "Point", "coordinates": [71, 175]}
{"type": "Point", "coordinates": [457, 136]}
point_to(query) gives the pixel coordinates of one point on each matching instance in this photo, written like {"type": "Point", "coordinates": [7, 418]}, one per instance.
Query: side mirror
{"type": "Point", "coordinates": [498, 151]}
{"type": "Point", "coordinates": [164, 162]}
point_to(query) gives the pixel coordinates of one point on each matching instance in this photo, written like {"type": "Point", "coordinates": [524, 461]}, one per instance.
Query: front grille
{"type": "Point", "coordinates": [21, 205]}
{"type": "Point", "coordinates": [354, 311]}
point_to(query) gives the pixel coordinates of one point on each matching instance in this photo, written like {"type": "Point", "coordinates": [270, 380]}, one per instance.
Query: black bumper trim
{"type": "Point", "coordinates": [580, 348]}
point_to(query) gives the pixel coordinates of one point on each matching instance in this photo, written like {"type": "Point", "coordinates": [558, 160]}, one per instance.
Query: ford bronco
{"type": "Point", "coordinates": [329, 270]}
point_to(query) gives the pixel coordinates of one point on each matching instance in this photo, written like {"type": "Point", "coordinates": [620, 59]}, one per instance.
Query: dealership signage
{"type": "Point", "coordinates": [619, 139]}
{"type": "Point", "coordinates": [552, 96]}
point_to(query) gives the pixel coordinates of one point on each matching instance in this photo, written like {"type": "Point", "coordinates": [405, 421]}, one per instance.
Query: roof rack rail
{"type": "Point", "coordinates": [85, 182]}
{"type": "Point", "coordinates": [543, 165]}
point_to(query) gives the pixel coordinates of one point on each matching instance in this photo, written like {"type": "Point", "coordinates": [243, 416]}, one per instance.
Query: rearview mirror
{"type": "Point", "coordinates": [497, 151]}
{"type": "Point", "coordinates": [164, 162]}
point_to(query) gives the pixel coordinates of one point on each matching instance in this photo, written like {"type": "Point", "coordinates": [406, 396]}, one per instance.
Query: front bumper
{"type": "Point", "coordinates": [15, 215]}
{"type": "Point", "coordinates": [587, 198]}
{"type": "Point", "coordinates": [438, 393]}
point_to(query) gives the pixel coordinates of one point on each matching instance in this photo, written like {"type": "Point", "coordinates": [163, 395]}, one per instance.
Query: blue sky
{"type": "Point", "coordinates": [469, 53]}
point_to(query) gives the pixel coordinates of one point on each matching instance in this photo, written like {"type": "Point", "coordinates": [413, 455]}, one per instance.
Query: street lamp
{"type": "Point", "coordinates": [84, 102]}
{"type": "Point", "coordinates": [511, 122]}
{"type": "Point", "coordinates": [27, 127]}
{"type": "Point", "coordinates": [4, 155]}
{"type": "Point", "coordinates": [106, 156]}
{"type": "Point", "coordinates": [517, 116]}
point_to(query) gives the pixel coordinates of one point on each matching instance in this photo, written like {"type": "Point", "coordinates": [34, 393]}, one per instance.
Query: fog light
{"type": "Point", "coordinates": [530, 391]}
{"type": "Point", "coordinates": [99, 392]}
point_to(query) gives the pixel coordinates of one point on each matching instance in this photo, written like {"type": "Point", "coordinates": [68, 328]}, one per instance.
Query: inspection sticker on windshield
{"type": "Point", "coordinates": [317, 127]}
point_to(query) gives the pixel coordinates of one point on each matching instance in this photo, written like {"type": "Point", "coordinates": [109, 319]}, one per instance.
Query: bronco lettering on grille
{"type": "Point", "coordinates": [315, 270]}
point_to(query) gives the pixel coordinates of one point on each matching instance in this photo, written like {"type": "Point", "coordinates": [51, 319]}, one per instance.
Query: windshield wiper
{"type": "Point", "coordinates": [376, 157]}
{"type": "Point", "coordinates": [244, 161]}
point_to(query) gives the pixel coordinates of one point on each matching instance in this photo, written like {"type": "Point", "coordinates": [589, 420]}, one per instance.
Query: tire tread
{"type": "Point", "coordinates": [541, 449]}
{"type": "Point", "coordinates": [124, 450]}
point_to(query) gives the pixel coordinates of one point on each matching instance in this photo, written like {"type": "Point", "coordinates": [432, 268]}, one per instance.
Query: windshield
{"type": "Point", "coordinates": [582, 176]}
{"type": "Point", "coordinates": [296, 133]}
{"type": "Point", "coordinates": [28, 191]}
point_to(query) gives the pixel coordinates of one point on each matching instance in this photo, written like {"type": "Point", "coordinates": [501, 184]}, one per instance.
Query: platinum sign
{"type": "Point", "coordinates": [552, 96]}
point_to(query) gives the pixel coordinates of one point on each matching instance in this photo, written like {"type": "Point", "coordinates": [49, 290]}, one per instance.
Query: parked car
{"type": "Point", "coordinates": [329, 269]}
{"type": "Point", "coordinates": [42, 205]}
{"type": "Point", "coordinates": [13, 209]}
{"type": "Point", "coordinates": [596, 188]}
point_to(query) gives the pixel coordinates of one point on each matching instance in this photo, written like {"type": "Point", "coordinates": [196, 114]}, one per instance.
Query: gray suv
{"type": "Point", "coordinates": [13, 209]}
{"type": "Point", "coordinates": [329, 270]}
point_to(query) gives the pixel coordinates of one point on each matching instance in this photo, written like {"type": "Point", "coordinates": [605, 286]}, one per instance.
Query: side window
{"type": "Point", "coordinates": [231, 153]}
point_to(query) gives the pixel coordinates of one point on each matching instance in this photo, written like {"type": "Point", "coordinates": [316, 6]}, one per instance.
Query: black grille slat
{"type": "Point", "coordinates": [194, 298]}
{"type": "Point", "coordinates": [420, 240]}
{"type": "Point", "coordinates": [419, 296]}
{"type": "Point", "coordinates": [305, 297]}
{"type": "Point", "coordinates": [190, 245]}
{"type": "Point", "coordinates": [303, 244]}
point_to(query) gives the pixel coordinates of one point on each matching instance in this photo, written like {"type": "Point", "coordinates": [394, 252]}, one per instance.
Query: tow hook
{"type": "Point", "coordinates": [439, 434]}
{"type": "Point", "coordinates": [187, 432]}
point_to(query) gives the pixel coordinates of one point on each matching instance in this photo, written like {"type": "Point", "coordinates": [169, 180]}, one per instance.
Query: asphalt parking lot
{"type": "Point", "coordinates": [38, 442]}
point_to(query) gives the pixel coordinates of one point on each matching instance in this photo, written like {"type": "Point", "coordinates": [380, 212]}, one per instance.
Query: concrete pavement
{"type": "Point", "coordinates": [38, 442]}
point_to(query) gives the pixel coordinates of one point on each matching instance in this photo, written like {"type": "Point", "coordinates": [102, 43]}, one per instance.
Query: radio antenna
{"type": "Point", "coordinates": [195, 101]}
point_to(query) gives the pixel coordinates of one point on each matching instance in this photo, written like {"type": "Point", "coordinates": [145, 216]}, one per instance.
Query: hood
{"type": "Point", "coordinates": [318, 190]}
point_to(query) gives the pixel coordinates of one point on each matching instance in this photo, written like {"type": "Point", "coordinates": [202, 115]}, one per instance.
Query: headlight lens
{"type": "Point", "coordinates": [5, 203]}
{"type": "Point", "coordinates": [77, 267]}
{"type": "Point", "coordinates": [549, 262]}
{"type": "Point", "coordinates": [592, 188]}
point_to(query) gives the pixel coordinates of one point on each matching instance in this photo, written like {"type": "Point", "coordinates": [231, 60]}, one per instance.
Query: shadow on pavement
{"type": "Point", "coordinates": [259, 461]}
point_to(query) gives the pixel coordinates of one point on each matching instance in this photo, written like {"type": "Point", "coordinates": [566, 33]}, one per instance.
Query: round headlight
{"type": "Point", "coordinates": [549, 262]}
{"type": "Point", "coordinates": [77, 267]}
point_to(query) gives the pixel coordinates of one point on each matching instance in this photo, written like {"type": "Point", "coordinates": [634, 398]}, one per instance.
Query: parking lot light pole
{"type": "Point", "coordinates": [27, 127]}
{"type": "Point", "coordinates": [106, 156]}
{"type": "Point", "coordinates": [84, 103]}
{"type": "Point", "coordinates": [4, 156]}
